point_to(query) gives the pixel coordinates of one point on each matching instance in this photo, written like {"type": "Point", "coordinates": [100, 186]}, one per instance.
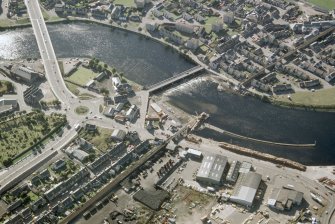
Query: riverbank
{"type": "Point", "coordinates": [298, 100]}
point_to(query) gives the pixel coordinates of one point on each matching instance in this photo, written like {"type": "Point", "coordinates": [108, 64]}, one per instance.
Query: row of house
{"type": "Point", "coordinates": [63, 186]}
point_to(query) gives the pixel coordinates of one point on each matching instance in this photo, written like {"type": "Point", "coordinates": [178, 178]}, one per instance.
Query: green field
{"type": "Point", "coordinates": [322, 98]}
{"type": "Point", "coordinates": [99, 139]}
{"type": "Point", "coordinates": [326, 4]}
{"type": "Point", "coordinates": [82, 76]}
{"type": "Point", "coordinates": [209, 21]}
{"type": "Point", "coordinates": [127, 3]}
{"type": "Point", "coordinates": [20, 133]}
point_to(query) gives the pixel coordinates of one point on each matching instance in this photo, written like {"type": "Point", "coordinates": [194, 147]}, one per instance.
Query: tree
{"type": "Point", "coordinates": [8, 162]}
{"type": "Point", "coordinates": [104, 91]}
{"type": "Point", "coordinates": [99, 68]}
{"type": "Point", "coordinates": [105, 66]}
{"type": "Point", "coordinates": [113, 70]}
{"type": "Point", "coordinates": [91, 63]}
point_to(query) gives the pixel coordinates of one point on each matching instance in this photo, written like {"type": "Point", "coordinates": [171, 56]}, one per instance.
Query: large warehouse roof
{"type": "Point", "coordinates": [246, 188]}
{"type": "Point", "coordinates": [212, 168]}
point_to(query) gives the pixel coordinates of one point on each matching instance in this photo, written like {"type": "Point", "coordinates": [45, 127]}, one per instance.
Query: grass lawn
{"type": "Point", "coordinates": [73, 88]}
{"type": "Point", "coordinates": [5, 86]}
{"type": "Point", "coordinates": [86, 96]}
{"type": "Point", "coordinates": [33, 197]}
{"type": "Point", "coordinates": [82, 76]}
{"type": "Point", "coordinates": [20, 133]}
{"type": "Point", "coordinates": [100, 139]}
{"type": "Point", "coordinates": [209, 21]}
{"type": "Point", "coordinates": [81, 110]}
{"type": "Point", "coordinates": [321, 98]}
{"type": "Point", "coordinates": [326, 4]}
{"type": "Point", "coordinates": [127, 3]}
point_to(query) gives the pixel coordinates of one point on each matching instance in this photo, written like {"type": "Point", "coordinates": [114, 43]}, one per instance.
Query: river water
{"type": "Point", "coordinates": [143, 61]}
{"type": "Point", "coordinates": [147, 62]}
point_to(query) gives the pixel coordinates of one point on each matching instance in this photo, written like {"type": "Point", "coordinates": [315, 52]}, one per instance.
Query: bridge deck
{"type": "Point", "coordinates": [174, 78]}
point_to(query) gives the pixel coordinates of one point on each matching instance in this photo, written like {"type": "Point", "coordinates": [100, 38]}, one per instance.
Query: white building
{"type": "Point", "coordinates": [132, 113]}
{"type": "Point", "coordinates": [246, 188]}
{"type": "Point", "coordinates": [212, 169]}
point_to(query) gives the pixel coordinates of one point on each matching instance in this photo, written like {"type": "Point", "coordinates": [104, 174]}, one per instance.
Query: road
{"type": "Point", "coordinates": [49, 60]}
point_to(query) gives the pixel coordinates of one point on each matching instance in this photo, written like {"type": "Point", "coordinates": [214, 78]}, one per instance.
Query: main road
{"type": "Point", "coordinates": [52, 71]}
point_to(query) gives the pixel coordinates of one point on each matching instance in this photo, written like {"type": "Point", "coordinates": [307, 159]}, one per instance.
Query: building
{"type": "Point", "coordinates": [228, 17]}
{"type": "Point", "coordinates": [284, 198]}
{"type": "Point", "coordinates": [192, 44]}
{"type": "Point", "coordinates": [118, 135]}
{"type": "Point", "coordinates": [281, 87]}
{"type": "Point", "coordinates": [233, 171]}
{"type": "Point", "coordinates": [195, 154]}
{"type": "Point", "coordinates": [185, 28]}
{"type": "Point", "coordinates": [217, 26]}
{"type": "Point", "coordinates": [140, 4]}
{"type": "Point", "coordinates": [132, 113]}
{"type": "Point", "coordinates": [116, 82]}
{"type": "Point", "coordinates": [212, 169]}
{"type": "Point", "coordinates": [8, 106]}
{"type": "Point", "coordinates": [77, 153]}
{"type": "Point", "coordinates": [246, 188]}
{"type": "Point", "coordinates": [116, 12]}
{"type": "Point", "coordinates": [245, 167]}
{"type": "Point", "coordinates": [101, 76]}
{"type": "Point", "coordinates": [24, 74]}
{"type": "Point", "coordinates": [156, 108]}
{"type": "Point", "coordinates": [310, 83]}
{"type": "Point", "coordinates": [58, 165]}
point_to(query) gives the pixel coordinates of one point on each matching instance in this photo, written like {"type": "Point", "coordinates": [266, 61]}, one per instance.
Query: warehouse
{"type": "Point", "coordinates": [284, 199]}
{"type": "Point", "coordinates": [212, 169]}
{"type": "Point", "coordinates": [233, 171]}
{"type": "Point", "coordinates": [246, 188]}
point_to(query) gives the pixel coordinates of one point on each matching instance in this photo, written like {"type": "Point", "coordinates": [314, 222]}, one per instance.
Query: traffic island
{"type": "Point", "coordinates": [81, 110]}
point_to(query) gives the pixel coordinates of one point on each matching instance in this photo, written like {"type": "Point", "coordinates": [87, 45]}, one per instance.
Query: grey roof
{"type": "Point", "coordinates": [118, 134]}
{"type": "Point", "coordinates": [7, 105]}
{"type": "Point", "coordinates": [246, 188]}
{"type": "Point", "coordinates": [233, 171]}
{"type": "Point", "coordinates": [24, 73]}
{"type": "Point", "coordinates": [284, 198]}
{"type": "Point", "coordinates": [245, 167]}
{"type": "Point", "coordinates": [212, 168]}
{"type": "Point", "coordinates": [77, 153]}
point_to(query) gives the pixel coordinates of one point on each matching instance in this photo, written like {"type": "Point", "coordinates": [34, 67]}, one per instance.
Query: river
{"type": "Point", "coordinates": [147, 62]}
{"type": "Point", "coordinates": [143, 61]}
{"type": "Point", "coordinates": [250, 117]}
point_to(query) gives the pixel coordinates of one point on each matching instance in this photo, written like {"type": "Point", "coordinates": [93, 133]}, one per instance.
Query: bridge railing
{"type": "Point", "coordinates": [175, 77]}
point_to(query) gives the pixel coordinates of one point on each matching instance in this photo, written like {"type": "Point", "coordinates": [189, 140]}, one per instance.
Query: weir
{"type": "Point", "coordinates": [258, 140]}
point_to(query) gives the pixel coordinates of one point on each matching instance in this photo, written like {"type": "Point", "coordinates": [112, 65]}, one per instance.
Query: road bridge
{"type": "Point", "coordinates": [49, 60]}
{"type": "Point", "coordinates": [175, 78]}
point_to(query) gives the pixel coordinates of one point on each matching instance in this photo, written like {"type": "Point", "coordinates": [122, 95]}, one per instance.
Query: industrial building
{"type": "Point", "coordinates": [7, 106]}
{"type": "Point", "coordinates": [284, 199]}
{"type": "Point", "coordinates": [194, 154]}
{"type": "Point", "coordinates": [212, 169]}
{"type": "Point", "coordinates": [245, 167]}
{"type": "Point", "coordinates": [246, 188]}
{"type": "Point", "coordinates": [233, 171]}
